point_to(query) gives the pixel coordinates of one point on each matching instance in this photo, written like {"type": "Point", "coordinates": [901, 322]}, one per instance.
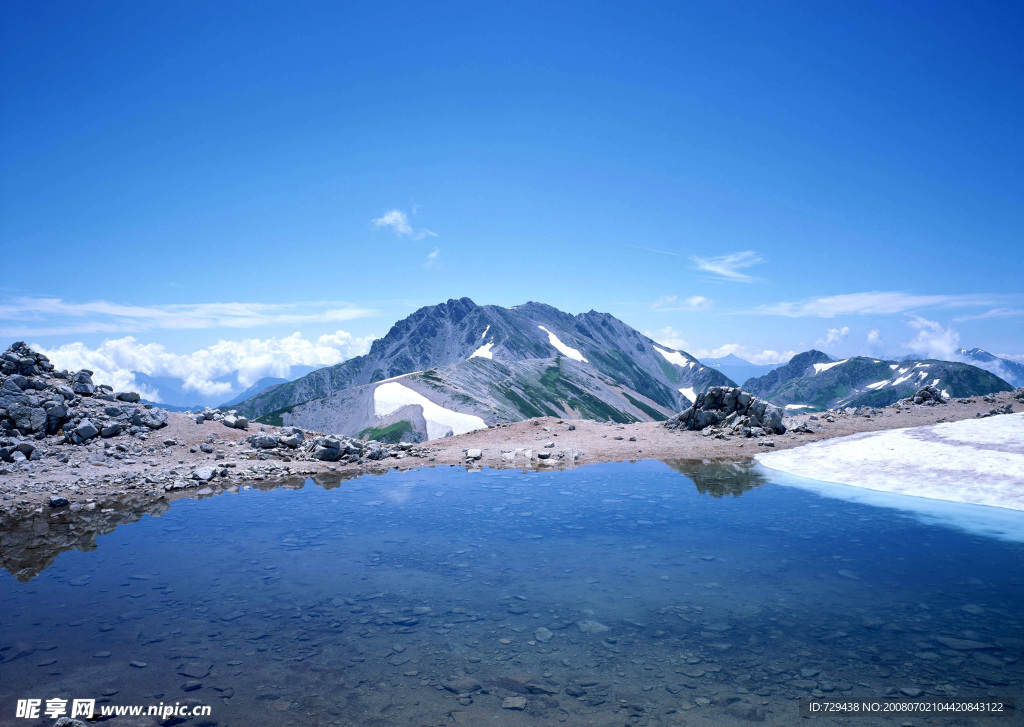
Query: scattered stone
{"type": "Point", "coordinates": [514, 703]}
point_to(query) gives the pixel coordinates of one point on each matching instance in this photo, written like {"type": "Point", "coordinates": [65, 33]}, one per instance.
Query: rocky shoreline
{"type": "Point", "coordinates": [69, 445]}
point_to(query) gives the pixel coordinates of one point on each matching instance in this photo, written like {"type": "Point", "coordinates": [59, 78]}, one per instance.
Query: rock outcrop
{"type": "Point", "coordinates": [38, 402]}
{"type": "Point", "coordinates": [732, 410]}
{"type": "Point", "coordinates": [928, 395]}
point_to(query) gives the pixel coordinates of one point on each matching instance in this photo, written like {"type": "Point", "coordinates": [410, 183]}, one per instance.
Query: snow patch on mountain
{"type": "Point", "coordinates": [689, 393]}
{"type": "Point", "coordinates": [562, 348]}
{"type": "Point", "coordinates": [483, 352]}
{"type": "Point", "coordinates": [390, 397]}
{"type": "Point", "coordinates": [819, 367]}
{"type": "Point", "coordinates": [674, 357]}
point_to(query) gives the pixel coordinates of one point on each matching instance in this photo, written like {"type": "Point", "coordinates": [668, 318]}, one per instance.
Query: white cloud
{"type": "Point", "coordinates": [670, 337]}
{"type": "Point", "coordinates": [398, 221]}
{"type": "Point", "coordinates": [667, 336]}
{"type": "Point", "coordinates": [115, 360]}
{"type": "Point", "coordinates": [727, 267]}
{"type": "Point", "coordinates": [874, 337]}
{"type": "Point", "coordinates": [834, 336]}
{"type": "Point", "coordinates": [28, 317]}
{"type": "Point", "coordinates": [765, 356]}
{"type": "Point", "coordinates": [433, 258]}
{"type": "Point", "coordinates": [672, 303]}
{"type": "Point", "coordinates": [870, 303]}
{"type": "Point", "coordinates": [933, 340]}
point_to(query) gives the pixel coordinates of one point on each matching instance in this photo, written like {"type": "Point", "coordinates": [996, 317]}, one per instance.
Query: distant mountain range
{"type": "Point", "coordinates": [813, 381]}
{"type": "Point", "coordinates": [738, 369]}
{"type": "Point", "coordinates": [458, 366]}
{"type": "Point", "coordinates": [174, 396]}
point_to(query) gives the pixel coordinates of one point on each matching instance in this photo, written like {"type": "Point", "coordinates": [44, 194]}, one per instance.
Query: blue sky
{"type": "Point", "coordinates": [754, 177]}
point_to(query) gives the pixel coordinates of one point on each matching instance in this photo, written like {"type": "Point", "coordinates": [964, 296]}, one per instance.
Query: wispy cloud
{"type": "Point", "coordinates": [672, 303]}
{"type": "Point", "coordinates": [728, 267]}
{"type": "Point", "coordinates": [933, 340]}
{"type": "Point", "coordinates": [870, 303]}
{"type": "Point", "coordinates": [993, 313]}
{"type": "Point", "coordinates": [27, 317]}
{"type": "Point", "coordinates": [399, 223]}
{"type": "Point", "coordinates": [654, 250]}
{"type": "Point", "coordinates": [433, 258]}
{"type": "Point", "coordinates": [116, 361]}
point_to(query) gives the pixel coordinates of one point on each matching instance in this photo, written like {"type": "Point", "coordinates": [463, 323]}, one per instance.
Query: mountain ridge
{"type": "Point", "coordinates": [610, 361]}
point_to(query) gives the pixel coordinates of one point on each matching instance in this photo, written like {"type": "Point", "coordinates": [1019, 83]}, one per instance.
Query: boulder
{"type": "Point", "coordinates": [129, 396]}
{"type": "Point", "coordinates": [204, 474]}
{"type": "Point", "coordinates": [86, 430]}
{"type": "Point", "coordinates": [928, 395]}
{"type": "Point", "coordinates": [732, 408]}
{"type": "Point", "coordinates": [235, 422]}
{"type": "Point", "coordinates": [1018, 394]}
{"type": "Point", "coordinates": [28, 418]}
{"type": "Point", "coordinates": [291, 437]}
{"type": "Point", "coordinates": [263, 441]}
{"type": "Point", "coordinates": [152, 418]}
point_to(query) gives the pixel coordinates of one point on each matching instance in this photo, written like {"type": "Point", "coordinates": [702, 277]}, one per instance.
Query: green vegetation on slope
{"type": "Point", "coordinates": [392, 433]}
{"type": "Point", "coordinates": [648, 410]}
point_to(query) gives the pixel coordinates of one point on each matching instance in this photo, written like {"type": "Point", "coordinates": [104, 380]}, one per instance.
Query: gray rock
{"type": "Point", "coordinates": [129, 396]}
{"type": "Point", "coordinates": [514, 703]}
{"type": "Point", "coordinates": [263, 441]}
{"type": "Point", "coordinates": [730, 407]}
{"type": "Point", "coordinates": [474, 454]}
{"type": "Point", "coordinates": [204, 474]}
{"type": "Point", "coordinates": [86, 430]}
{"type": "Point", "coordinates": [56, 501]}
{"type": "Point", "coordinates": [235, 422]}
{"type": "Point", "coordinates": [152, 418]}
{"type": "Point", "coordinates": [28, 418]}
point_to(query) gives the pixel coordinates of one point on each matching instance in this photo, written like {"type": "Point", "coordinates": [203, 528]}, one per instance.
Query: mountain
{"type": "Point", "coordinates": [1007, 369]}
{"type": "Point", "coordinates": [811, 381]}
{"type": "Point", "coordinates": [261, 385]}
{"type": "Point", "coordinates": [458, 365]}
{"type": "Point", "coordinates": [737, 368]}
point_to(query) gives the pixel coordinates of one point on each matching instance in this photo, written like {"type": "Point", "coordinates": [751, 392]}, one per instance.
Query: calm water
{"type": "Point", "coordinates": [620, 594]}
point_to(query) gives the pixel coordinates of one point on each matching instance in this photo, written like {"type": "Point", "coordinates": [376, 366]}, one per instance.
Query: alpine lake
{"type": "Point", "coordinates": [646, 593]}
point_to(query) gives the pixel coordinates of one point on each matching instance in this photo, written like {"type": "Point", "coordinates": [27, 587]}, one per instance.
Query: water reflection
{"type": "Point", "coordinates": [606, 595]}
{"type": "Point", "coordinates": [718, 478]}
{"type": "Point", "coordinates": [32, 544]}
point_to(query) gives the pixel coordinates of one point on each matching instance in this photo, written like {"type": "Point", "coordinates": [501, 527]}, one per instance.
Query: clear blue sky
{"type": "Point", "coordinates": [723, 170]}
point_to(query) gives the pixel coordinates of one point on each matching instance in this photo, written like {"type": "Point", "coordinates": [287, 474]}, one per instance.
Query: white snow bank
{"type": "Point", "coordinates": [819, 367]}
{"type": "Point", "coordinates": [562, 348]}
{"type": "Point", "coordinates": [977, 461]}
{"type": "Point", "coordinates": [389, 398]}
{"type": "Point", "coordinates": [484, 334]}
{"type": "Point", "coordinates": [689, 394]}
{"type": "Point", "coordinates": [674, 357]}
{"type": "Point", "coordinates": [798, 406]}
{"type": "Point", "coordinates": [483, 352]}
